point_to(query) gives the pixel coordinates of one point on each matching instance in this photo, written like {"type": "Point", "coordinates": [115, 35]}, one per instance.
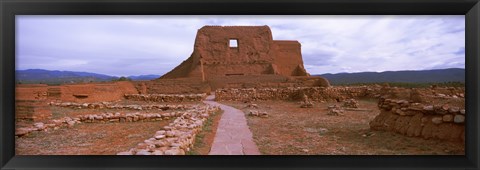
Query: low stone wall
{"type": "Point", "coordinates": [108, 105]}
{"type": "Point", "coordinates": [423, 95]}
{"type": "Point", "coordinates": [91, 92]}
{"type": "Point", "coordinates": [177, 138]}
{"type": "Point", "coordinates": [166, 97]}
{"type": "Point", "coordinates": [434, 120]}
{"type": "Point", "coordinates": [95, 118]}
{"type": "Point", "coordinates": [81, 92]}
{"type": "Point", "coordinates": [31, 91]}
{"type": "Point", "coordinates": [295, 93]}
{"type": "Point", "coordinates": [336, 93]}
{"type": "Point", "coordinates": [127, 117]}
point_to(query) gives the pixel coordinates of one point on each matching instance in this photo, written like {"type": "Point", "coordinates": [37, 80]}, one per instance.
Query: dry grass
{"type": "Point", "coordinates": [204, 139]}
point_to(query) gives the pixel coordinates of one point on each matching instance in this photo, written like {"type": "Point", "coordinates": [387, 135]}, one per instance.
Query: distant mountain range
{"type": "Point", "coordinates": [144, 77]}
{"type": "Point", "coordinates": [32, 76]}
{"type": "Point", "coordinates": [421, 76]}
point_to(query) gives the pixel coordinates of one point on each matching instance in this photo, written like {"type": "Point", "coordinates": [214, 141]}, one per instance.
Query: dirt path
{"type": "Point", "coordinates": [233, 136]}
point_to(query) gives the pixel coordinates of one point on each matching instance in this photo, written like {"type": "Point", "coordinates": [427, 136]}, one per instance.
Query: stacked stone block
{"type": "Point", "coordinates": [438, 121]}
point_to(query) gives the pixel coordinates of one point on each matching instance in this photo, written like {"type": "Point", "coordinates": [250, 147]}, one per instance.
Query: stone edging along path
{"type": "Point", "coordinates": [233, 136]}
{"type": "Point", "coordinates": [178, 137]}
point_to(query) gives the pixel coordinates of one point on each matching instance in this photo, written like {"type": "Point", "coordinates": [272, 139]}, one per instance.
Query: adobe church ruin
{"type": "Point", "coordinates": [243, 64]}
{"type": "Point", "coordinates": [228, 56]}
{"type": "Point", "coordinates": [240, 50]}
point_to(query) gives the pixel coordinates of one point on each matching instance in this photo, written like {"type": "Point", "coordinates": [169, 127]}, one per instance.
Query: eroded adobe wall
{"type": "Point", "coordinates": [184, 69]}
{"type": "Point", "coordinates": [288, 58]}
{"type": "Point", "coordinates": [36, 110]}
{"type": "Point", "coordinates": [254, 43]}
{"type": "Point", "coordinates": [30, 102]}
{"type": "Point", "coordinates": [257, 53]}
{"type": "Point", "coordinates": [92, 92]}
{"type": "Point", "coordinates": [31, 91]}
{"type": "Point", "coordinates": [248, 81]}
{"type": "Point", "coordinates": [96, 92]}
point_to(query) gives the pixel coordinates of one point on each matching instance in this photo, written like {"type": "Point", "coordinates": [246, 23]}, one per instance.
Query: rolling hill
{"type": "Point", "coordinates": [421, 76]}
{"type": "Point", "coordinates": [33, 76]}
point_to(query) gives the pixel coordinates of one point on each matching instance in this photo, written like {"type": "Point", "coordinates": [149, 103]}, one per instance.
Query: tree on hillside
{"type": "Point", "coordinates": [123, 79]}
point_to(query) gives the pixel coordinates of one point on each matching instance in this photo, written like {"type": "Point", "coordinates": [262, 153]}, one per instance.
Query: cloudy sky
{"type": "Point", "coordinates": [138, 45]}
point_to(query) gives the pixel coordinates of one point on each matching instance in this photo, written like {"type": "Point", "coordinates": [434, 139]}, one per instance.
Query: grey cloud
{"type": "Point", "coordinates": [461, 51]}
{"type": "Point", "coordinates": [132, 45]}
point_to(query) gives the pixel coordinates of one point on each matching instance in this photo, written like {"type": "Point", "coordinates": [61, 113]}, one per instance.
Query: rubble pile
{"type": "Point", "coordinates": [252, 105]}
{"type": "Point", "coordinates": [258, 113]}
{"type": "Point", "coordinates": [335, 110]}
{"type": "Point", "coordinates": [350, 103]}
{"type": "Point", "coordinates": [308, 104]}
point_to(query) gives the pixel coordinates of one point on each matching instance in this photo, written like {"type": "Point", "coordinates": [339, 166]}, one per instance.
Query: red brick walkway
{"type": "Point", "coordinates": [233, 136]}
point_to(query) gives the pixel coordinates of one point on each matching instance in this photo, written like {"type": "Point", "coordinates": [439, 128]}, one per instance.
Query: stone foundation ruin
{"type": "Point", "coordinates": [31, 100]}
{"type": "Point", "coordinates": [238, 63]}
{"type": "Point", "coordinates": [430, 113]}
{"type": "Point", "coordinates": [175, 139]}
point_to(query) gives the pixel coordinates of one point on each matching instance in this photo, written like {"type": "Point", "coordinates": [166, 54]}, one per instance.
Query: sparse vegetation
{"type": "Point", "coordinates": [123, 79]}
{"type": "Point", "coordinates": [204, 139]}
